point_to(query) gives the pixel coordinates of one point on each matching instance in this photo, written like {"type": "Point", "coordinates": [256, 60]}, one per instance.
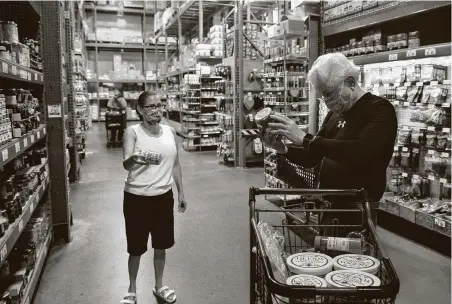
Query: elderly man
{"type": "Point", "coordinates": [356, 141]}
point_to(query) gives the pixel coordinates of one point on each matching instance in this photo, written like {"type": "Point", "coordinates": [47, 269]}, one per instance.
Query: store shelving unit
{"type": "Point", "coordinates": [391, 18]}
{"type": "Point", "coordinates": [32, 19]}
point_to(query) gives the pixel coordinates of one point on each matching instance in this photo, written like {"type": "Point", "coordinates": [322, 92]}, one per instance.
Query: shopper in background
{"type": "Point", "coordinates": [117, 104]}
{"type": "Point", "coordinates": [355, 143]}
{"type": "Point", "coordinates": [148, 195]}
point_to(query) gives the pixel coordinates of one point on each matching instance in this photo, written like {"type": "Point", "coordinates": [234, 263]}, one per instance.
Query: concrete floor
{"type": "Point", "coordinates": [209, 263]}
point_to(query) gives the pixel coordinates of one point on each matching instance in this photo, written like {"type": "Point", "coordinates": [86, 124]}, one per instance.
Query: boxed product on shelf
{"type": "Point", "coordinates": [333, 3]}
{"type": "Point", "coordinates": [343, 10]}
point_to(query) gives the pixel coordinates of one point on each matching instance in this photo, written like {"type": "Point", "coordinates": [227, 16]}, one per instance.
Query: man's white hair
{"type": "Point", "coordinates": [329, 70]}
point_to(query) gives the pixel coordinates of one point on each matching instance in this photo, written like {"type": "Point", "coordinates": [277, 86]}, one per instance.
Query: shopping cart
{"type": "Point", "coordinates": [115, 122]}
{"type": "Point", "coordinates": [265, 289]}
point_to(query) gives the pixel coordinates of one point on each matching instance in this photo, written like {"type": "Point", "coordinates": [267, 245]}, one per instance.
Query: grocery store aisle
{"type": "Point", "coordinates": [209, 263]}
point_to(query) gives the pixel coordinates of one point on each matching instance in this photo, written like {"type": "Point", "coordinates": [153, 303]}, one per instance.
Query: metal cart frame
{"type": "Point", "coordinates": [114, 121]}
{"type": "Point", "coordinates": [265, 289]}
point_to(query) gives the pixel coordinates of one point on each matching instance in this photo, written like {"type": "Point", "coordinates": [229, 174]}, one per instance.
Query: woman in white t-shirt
{"type": "Point", "coordinates": [148, 195]}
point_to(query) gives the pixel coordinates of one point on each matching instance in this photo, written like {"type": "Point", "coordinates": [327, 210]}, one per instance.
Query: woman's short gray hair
{"type": "Point", "coordinates": [329, 70]}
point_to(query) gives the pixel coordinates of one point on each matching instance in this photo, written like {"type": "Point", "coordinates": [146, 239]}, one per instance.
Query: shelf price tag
{"type": "Point", "coordinates": [405, 149]}
{"type": "Point", "coordinates": [419, 84]}
{"type": "Point", "coordinates": [29, 75]}
{"type": "Point", "coordinates": [404, 174]}
{"type": "Point", "coordinates": [32, 138]}
{"type": "Point", "coordinates": [44, 131]}
{"type": "Point", "coordinates": [25, 142]}
{"type": "Point", "coordinates": [17, 145]}
{"type": "Point", "coordinates": [443, 181]}
{"type": "Point", "coordinates": [431, 177]}
{"type": "Point", "coordinates": [444, 154]}
{"type": "Point", "coordinates": [407, 84]}
{"type": "Point", "coordinates": [430, 51]}
{"type": "Point", "coordinates": [14, 70]}
{"type": "Point", "coordinates": [434, 82]}
{"type": "Point", "coordinates": [430, 128]}
{"type": "Point", "coordinates": [38, 134]}
{"type": "Point", "coordinates": [406, 104]}
{"type": "Point", "coordinates": [36, 77]}
{"type": "Point", "coordinates": [386, 85]}
{"type": "Point", "coordinates": [411, 53]}
{"type": "Point", "coordinates": [393, 57]}
{"type": "Point", "coordinates": [3, 253]}
{"type": "Point", "coordinates": [5, 154]}
{"type": "Point", "coordinates": [396, 102]}
{"type": "Point", "coordinates": [5, 67]}
{"type": "Point", "coordinates": [446, 130]}
{"type": "Point", "coordinates": [431, 152]}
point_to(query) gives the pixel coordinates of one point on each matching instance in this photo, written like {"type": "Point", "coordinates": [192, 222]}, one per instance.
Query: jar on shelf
{"type": "Point", "coordinates": [401, 41]}
{"type": "Point", "coordinates": [414, 39]}
{"type": "Point", "coordinates": [6, 54]}
{"type": "Point", "coordinates": [10, 31]}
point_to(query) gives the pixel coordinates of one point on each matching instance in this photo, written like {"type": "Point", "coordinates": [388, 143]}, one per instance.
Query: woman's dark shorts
{"type": "Point", "coordinates": [148, 214]}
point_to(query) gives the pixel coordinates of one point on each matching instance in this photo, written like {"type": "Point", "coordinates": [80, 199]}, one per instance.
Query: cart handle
{"type": "Point", "coordinates": [293, 191]}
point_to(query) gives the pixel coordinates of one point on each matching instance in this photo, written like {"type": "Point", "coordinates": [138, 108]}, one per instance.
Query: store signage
{"type": "Point", "coordinates": [4, 67]}
{"type": "Point", "coordinates": [54, 111]}
{"type": "Point", "coordinates": [393, 57]}
{"type": "Point", "coordinates": [430, 51]}
{"type": "Point", "coordinates": [411, 53]}
{"type": "Point", "coordinates": [17, 147]}
{"type": "Point", "coordinates": [5, 154]}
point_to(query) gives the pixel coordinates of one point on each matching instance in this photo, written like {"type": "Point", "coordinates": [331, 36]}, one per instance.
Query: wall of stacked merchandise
{"type": "Point", "coordinates": [25, 220]}
{"type": "Point", "coordinates": [122, 53]}
{"type": "Point", "coordinates": [402, 61]}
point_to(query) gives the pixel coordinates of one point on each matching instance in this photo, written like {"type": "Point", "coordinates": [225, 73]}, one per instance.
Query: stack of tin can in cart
{"type": "Point", "coordinates": [357, 268]}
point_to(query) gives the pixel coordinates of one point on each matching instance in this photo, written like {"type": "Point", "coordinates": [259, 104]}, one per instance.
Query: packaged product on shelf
{"type": "Point", "coordinates": [16, 292]}
{"type": "Point", "coordinates": [398, 74]}
{"type": "Point", "coordinates": [401, 93]}
{"type": "Point", "coordinates": [404, 136]}
{"type": "Point", "coordinates": [10, 31]}
{"type": "Point", "coordinates": [433, 72]}
{"type": "Point", "coordinates": [413, 39]}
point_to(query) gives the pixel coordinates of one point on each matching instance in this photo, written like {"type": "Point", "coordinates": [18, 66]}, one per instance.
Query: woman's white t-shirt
{"type": "Point", "coordinates": [153, 180]}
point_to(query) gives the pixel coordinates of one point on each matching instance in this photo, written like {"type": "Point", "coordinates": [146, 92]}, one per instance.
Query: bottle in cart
{"type": "Point", "coordinates": [351, 245]}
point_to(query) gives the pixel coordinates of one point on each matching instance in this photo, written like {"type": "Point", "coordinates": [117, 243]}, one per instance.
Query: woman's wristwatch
{"type": "Point", "coordinates": [307, 140]}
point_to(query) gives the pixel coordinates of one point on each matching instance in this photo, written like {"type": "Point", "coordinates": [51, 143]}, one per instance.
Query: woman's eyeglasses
{"type": "Point", "coordinates": [153, 107]}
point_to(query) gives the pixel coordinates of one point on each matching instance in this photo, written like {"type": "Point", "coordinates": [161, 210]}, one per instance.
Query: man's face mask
{"type": "Point", "coordinates": [335, 102]}
{"type": "Point", "coordinates": [153, 113]}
